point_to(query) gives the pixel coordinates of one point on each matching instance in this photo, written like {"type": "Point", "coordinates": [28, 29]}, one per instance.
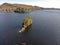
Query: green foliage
{"type": "Point", "coordinates": [27, 21]}
{"type": "Point", "coordinates": [22, 10]}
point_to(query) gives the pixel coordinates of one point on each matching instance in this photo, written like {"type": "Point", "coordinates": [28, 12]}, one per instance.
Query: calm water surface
{"type": "Point", "coordinates": [45, 29]}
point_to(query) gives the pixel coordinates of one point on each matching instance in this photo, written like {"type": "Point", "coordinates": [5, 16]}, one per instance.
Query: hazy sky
{"type": "Point", "coordinates": [42, 3]}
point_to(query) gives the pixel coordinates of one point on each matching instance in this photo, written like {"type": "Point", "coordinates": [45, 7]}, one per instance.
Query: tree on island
{"type": "Point", "coordinates": [19, 10]}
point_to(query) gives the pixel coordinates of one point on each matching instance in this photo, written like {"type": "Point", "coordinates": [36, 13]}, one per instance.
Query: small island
{"type": "Point", "coordinates": [26, 25]}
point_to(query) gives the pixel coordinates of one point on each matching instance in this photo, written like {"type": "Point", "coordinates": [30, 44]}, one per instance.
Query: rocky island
{"type": "Point", "coordinates": [26, 25]}
{"type": "Point", "coordinates": [18, 8]}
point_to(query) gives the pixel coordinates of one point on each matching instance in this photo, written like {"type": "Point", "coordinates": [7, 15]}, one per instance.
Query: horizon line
{"type": "Point", "coordinates": [27, 4]}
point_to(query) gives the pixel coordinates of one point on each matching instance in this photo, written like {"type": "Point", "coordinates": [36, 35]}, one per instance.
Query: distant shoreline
{"type": "Point", "coordinates": [18, 8]}
{"type": "Point", "coordinates": [21, 8]}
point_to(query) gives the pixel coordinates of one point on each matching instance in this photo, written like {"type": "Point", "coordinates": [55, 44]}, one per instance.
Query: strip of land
{"type": "Point", "coordinates": [21, 8]}
{"type": "Point", "coordinates": [18, 8]}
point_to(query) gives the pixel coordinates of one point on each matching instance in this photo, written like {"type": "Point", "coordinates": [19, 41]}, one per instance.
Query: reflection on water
{"type": "Point", "coordinates": [23, 37]}
{"type": "Point", "coordinates": [28, 28]}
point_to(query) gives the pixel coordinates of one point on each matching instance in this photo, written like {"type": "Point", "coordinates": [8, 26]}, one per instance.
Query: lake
{"type": "Point", "coordinates": [45, 28]}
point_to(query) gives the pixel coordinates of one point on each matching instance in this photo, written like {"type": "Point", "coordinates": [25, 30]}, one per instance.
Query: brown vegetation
{"type": "Point", "coordinates": [6, 7]}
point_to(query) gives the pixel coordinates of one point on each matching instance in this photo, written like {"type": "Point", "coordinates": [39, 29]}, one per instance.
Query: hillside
{"type": "Point", "coordinates": [7, 7]}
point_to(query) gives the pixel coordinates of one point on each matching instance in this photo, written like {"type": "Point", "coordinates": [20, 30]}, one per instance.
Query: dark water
{"type": "Point", "coordinates": [45, 28]}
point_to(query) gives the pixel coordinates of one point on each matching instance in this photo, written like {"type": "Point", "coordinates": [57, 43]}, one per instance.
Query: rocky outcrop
{"type": "Point", "coordinates": [26, 25]}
